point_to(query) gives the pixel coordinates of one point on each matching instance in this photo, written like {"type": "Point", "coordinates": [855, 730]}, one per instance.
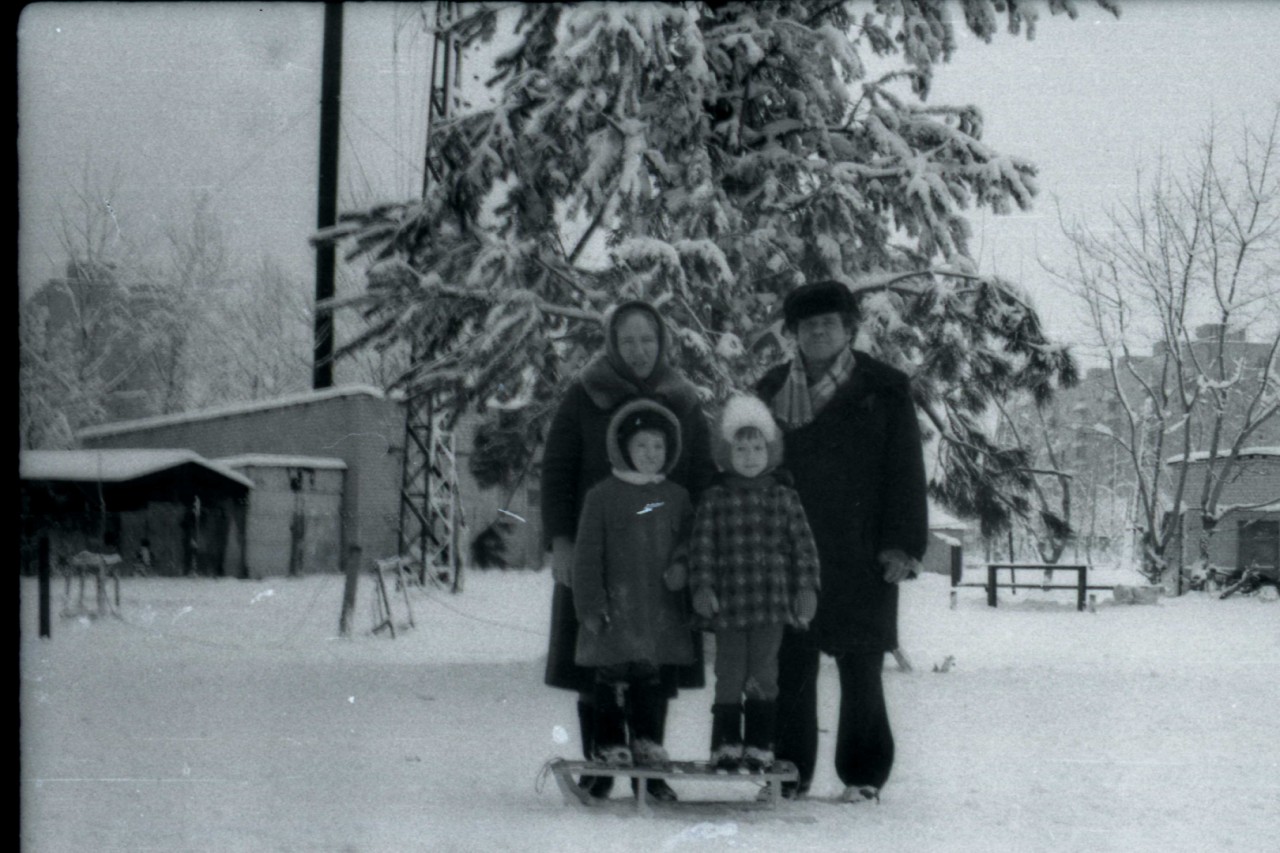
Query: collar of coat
{"type": "Point", "coordinates": [608, 387]}
{"type": "Point", "coordinates": [870, 376]}
{"type": "Point", "coordinates": [760, 481]}
{"type": "Point", "coordinates": [635, 478]}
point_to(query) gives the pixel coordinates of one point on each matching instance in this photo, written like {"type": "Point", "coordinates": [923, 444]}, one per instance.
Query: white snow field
{"type": "Point", "coordinates": [227, 716]}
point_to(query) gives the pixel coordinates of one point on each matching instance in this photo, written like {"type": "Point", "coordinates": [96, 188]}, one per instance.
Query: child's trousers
{"type": "Point", "coordinates": [747, 663]}
{"type": "Point", "coordinates": [629, 695]}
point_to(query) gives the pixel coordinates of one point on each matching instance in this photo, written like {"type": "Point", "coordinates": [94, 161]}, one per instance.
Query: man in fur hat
{"type": "Point", "coordinates": [853, 446]}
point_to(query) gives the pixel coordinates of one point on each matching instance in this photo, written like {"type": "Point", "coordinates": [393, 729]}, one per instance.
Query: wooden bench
{"type": "Point", "coordinates": [103, 568]}
{"type": "Point", "coordinates": [1047, 570]}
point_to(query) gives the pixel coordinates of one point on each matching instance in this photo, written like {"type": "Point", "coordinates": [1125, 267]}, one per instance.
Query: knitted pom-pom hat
{"type": "Point", "coordinates": [744, 410]}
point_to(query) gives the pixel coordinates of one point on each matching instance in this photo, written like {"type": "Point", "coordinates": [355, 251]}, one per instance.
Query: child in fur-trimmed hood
{"type": "Point", "coordinates": [753, 569]}
{"type": "Point", "coordinates": [630, 603]}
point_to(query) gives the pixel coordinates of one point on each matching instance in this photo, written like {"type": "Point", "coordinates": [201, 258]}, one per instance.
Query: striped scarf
{"type": "Point", "coordinates": [797, 402]}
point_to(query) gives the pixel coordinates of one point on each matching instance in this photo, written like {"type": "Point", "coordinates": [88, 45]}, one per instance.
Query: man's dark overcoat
{"type": "Point", "coordinates": [860, 474]}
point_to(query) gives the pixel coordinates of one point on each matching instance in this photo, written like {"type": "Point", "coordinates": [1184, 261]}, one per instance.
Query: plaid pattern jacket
{"type": "Point", "coordinates": [752, 547]}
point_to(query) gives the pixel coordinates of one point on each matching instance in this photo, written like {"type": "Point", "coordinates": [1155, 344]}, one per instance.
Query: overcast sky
{"type": "Point", "coordinates": [182, 98]}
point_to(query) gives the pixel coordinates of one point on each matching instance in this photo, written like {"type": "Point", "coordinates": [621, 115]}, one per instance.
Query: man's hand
{"type": "Point", "coordinates": [705, 603]}
{"type": "Point", "coordinates": [562, 560]}
{"type": "Point", "coordinates": [898, 565]}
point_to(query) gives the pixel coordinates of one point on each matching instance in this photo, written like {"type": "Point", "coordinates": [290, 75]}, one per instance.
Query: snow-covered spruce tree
{"type": "Point", "coordinates": [709, 157]}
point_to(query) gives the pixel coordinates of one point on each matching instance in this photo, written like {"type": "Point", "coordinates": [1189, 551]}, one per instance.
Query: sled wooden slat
{"type": "Point", "coordinates": [690, 771]}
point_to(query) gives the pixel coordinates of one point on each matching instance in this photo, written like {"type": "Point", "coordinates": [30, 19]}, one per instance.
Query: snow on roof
{"type": "Point", "coordinates": [283, 402]}
{"type": "Point", "coordinates": [274, 460]}
{"type": "Point", "coordinates": [1274, 506]}
{"type": "Point", "coordinates": [112, 466]}
{"type": "Point", "coordinates": [939, 519]}
{"type": "Point", "coordinates": [1203, 455]}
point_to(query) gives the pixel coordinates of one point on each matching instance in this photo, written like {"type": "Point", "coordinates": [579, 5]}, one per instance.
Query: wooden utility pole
{"type": "Point", "coordinates": [327, 191]}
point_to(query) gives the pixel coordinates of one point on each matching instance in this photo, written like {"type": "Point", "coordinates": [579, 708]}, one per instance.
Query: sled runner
{"type": "Point", "coordinates": [689, 771]}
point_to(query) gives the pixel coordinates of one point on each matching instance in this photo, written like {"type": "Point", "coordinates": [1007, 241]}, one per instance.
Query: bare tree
{"type": "Point", "coordinates": [260, 332]}
{"type": "Point", "coordinates": [1187, 268]}
{"type": "Point", "coordinates": [195, 270]}
{"type": "Point", "coordinates": [79, 349]}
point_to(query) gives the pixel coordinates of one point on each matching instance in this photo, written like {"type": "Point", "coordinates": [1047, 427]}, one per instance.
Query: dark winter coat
{"type": "Point", "coordinates": [752, 547]}
{"type": "Point", "coordinates": [628, 536]}
{"type": "Point", "coordinates": [575, 458]}
{"type": "Point", "coordinates": [859, 471]}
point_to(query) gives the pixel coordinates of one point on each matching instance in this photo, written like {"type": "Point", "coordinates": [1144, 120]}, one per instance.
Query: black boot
{"type": "Point", "coordinates": [646, 708]}
{"type": "Point", "coordinates": [610, 725]}
{"type": "Point", "coordinates": [597, 786]}
{"type": "Point", "coordinates": [760, 719]}
{"type": "Point", "coordinates": [726, 735]}
{"type": "Point", "coordinates": [647, 714]}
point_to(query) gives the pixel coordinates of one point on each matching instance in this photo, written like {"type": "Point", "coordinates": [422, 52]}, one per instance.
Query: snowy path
{"type": "Point", "coordinates": [224, 716]}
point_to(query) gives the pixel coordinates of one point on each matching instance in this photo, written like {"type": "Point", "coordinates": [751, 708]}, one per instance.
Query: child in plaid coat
{"type": "Point", "coordinates": [753, 568]}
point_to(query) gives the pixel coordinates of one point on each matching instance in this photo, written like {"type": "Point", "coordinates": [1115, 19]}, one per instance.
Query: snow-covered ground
{"type": "Point", "coordinates": [226, 716]}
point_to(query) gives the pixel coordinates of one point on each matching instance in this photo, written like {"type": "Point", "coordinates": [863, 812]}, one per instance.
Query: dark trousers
{"type": "Point", "coordinates": [864, 741]}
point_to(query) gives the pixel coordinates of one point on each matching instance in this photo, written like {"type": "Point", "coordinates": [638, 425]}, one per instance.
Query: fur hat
{"type": "Point", "coordinates": [820, 297]}
{"type": "Point", "coordinates": [639, 415]}
{"type": "Point", "coordinates": [744, 410]}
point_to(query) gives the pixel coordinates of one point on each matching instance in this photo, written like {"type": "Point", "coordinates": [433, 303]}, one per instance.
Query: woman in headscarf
{"type": "Point", "coordinates": [634, 364]}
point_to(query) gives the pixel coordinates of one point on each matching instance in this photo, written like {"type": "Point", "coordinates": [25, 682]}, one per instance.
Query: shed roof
{"type": "Point", "coordinates": [282, 402]}
{"type": "Point", "coordinates": [1274, 506]}
{"type": "Point", "coordinates": [113, 466]}
{"type": "Point", "coordinates": [1203, 455]}
{"type": "Point", "coordinates": [280, 460]}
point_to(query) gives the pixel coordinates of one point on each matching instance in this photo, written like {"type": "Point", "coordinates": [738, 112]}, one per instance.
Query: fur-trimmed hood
{"type": "Point", "coordinates": [618, 458]}
{"type": "Point", "coordinates": [744, 410]}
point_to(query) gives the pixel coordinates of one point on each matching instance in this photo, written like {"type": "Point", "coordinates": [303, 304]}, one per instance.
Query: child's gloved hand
{"type": "Point", "coordinates": [596, 622]}
{"type": "Point", "coordinates": [898, 565]}
{"type": "Point", "coordinates": [705, 603]}
{"type": "Point", "coordinates": [805, 606]}
{"type": "Point", "coordinates": [676, 576]}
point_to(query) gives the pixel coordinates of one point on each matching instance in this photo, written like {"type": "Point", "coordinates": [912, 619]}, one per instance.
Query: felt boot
{"type": "Point", "coordinates": [610, 726]}
{"type": "Point", "coordinates": [760, 718]}
{"type": "Point", "coordinates": [647, 715]}
{"type": "Point", "coordinates": [597, 786]}
{"type": "Point", "coordinates": [726, 735]}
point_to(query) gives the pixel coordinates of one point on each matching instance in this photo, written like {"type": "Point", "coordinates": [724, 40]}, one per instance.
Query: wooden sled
{"type": "Point", "coordinates": [689, 771]}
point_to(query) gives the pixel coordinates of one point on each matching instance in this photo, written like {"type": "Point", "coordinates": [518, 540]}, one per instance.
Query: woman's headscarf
{"type": "Point", "coordinates": [609, 380]}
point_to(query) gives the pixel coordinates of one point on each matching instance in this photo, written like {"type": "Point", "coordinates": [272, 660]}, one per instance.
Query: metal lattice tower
{"type": "Point", "coordinates": [431, 518]}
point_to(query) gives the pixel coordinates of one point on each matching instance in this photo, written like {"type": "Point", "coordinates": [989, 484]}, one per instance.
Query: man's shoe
{"type": "Point", "coordinates": [860, 794]}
